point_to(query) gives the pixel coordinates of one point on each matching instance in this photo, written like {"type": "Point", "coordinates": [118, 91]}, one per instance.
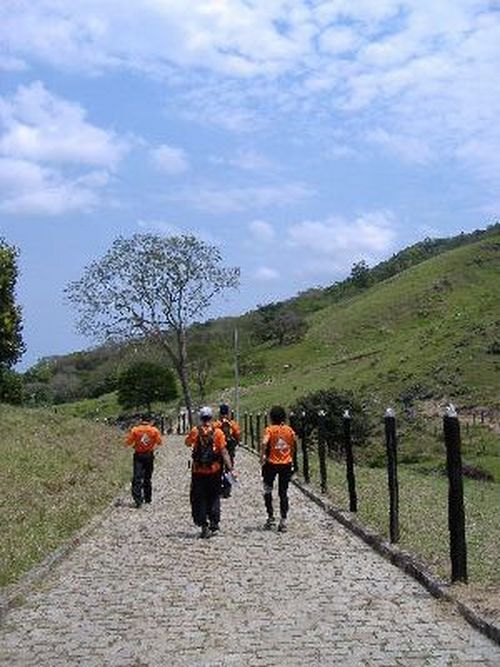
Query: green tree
{"type": "Point", "coordinates": [11, 387]}
{"type": "Point", "coordinates": [333, 402]}
{"type": "Point", "coordinates": [151, 286]}
{"type": "Point", "coordinates": [11, 342]}
{"type": "Point", "coordinates": [144, 382]}
{"type": "Point", "coordinates": [360, 274]}
{"type": "Point", "coordinates": [278, 324]}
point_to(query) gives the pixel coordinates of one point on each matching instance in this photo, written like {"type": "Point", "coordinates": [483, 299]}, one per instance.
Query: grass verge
{"type": "Point", "coordinates": [56, 473]}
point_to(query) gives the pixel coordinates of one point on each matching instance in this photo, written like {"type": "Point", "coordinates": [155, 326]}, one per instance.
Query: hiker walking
{"type": "Point", "coordinates": [277, 447]}
{"type": "Point", "coordinates": [232, 433]}
{"type": "Point", "coordinates": [209, 451]}
{"type": "Point", "coordinates": [145, 438]}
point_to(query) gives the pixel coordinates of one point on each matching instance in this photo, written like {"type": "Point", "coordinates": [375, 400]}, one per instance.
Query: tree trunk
{"type": "Point", "coordinates": [180, 362]}
{"type": "Point", "coordinates": [183, 373]}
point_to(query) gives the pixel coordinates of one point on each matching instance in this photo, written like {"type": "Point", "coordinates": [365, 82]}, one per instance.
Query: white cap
{"type": "Point", "coordinates": [206, 412]}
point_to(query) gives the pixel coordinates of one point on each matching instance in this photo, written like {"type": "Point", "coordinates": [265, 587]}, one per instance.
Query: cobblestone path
{"type": "Point", "coordinates": [143, 590]}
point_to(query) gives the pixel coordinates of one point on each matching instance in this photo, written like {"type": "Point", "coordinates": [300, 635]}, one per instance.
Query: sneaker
{"type": "Point", "coordinates": [269, 523]}
{"type": "Point", "coordinates": [205, 532]}
{"type": "Point", "coordinates": [137, 504]}
{"type": "Point", "coordinates": [282, 526]}
{"type": "Point", "coordinates": [214, 527]}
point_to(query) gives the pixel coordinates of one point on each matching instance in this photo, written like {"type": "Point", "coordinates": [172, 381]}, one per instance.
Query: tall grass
{"type": "Point", "coordinates": [56, 472]}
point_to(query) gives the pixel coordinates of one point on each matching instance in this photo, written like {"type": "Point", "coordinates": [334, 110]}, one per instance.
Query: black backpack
{"type": "Point", "coordinates": [203, 451]}
{"type": "Point", "coordinates": [226, 429]}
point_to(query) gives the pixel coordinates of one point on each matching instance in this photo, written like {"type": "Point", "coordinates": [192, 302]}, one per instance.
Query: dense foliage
{"type": "Point", "coordinates": [11, 342]}
{"type": "Point", "coordinates": [308, 409]}
{"type": "Point", "coordinates": [144, 383]}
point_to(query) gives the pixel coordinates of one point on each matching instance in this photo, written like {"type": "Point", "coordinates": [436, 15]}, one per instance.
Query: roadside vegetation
{"type": "Point", "coordinates": [56, 473]}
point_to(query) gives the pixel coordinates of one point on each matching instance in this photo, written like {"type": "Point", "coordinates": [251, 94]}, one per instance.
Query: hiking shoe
{"type": "Point", "coordinates": [269, 523]}
{"type": "Point", "coordinates": [282, 526]}
{"type": "Point", "coordinates": [137, 504]}
{"type": "Point", "coordinates": [205, 532]}
{"type": "Point", "coordinates": [214, 527]}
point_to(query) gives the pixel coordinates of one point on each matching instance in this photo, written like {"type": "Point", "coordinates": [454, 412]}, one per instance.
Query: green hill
{"type": "Point", "coordinates": [423, 324]}
{"type": "Point", "coordinates": [430, 332]}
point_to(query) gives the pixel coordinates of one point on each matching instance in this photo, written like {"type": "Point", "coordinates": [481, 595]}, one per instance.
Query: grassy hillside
{"type": "Point", "coordinates": [432, 331]}
{"type": "Point", "coordinates": [56, 473]}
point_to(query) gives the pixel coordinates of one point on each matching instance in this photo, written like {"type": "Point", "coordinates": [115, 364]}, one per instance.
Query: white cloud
{"type": "Point", "coordinates": [169, 159]}
{"type": "Point", "coordinates": [266, 274]}
{"type": "Point", "coordinates": [27, 188]}
{"type": "Point", "coordinates": [46, 150]}
{"type": "Point", "coordinates": [229, 200]}
{"type": "Point", "coordinates": [261, 231]}
{"type": "Point", "coordinates": [160, 227]}
{"type": "Point", "coordinates": [43, 127]}
{"type": "Point", "coordinates": [12, 64]}
{"type": "Point", "coordinates": [413, 68]}
{"type": "Point", "coordinates": [251, 160]}
{"type": "Point", "coordinates": [341, 241]}
{"type": "Point", "coordinates": [408, 148]}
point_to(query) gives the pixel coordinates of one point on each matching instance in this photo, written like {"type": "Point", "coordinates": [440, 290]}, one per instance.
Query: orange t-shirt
{"type": "Point", "coordinates": [144, 438]}
{"type": "Point", "coordinates": [219, 442]}
{"type": "Point", "coordinates": [279, 441]}
{"type": "Point", "coordinates": [235, 427]}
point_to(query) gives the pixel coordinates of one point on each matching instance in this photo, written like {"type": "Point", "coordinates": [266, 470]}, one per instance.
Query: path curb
{"type": "Point", "coordinates": [402, 559]}
{"type": "Point", "coordinates": [405, 561]}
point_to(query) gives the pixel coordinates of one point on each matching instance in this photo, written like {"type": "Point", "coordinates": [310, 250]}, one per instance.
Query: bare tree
{"type": "Point", "coordinates": [151, 286]}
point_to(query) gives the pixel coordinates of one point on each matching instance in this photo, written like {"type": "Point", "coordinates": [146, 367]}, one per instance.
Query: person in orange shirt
{"type": "Point", "coordinates": [145, 438]}
{"type": "Point", "coordinates": [277, 447]}
{"type": "Point", "coordinates": [208, 445]}
{"type": "Point", "coordinates": [232, 432]}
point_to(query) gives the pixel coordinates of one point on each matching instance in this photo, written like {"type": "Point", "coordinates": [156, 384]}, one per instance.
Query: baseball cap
{"type": "Point", "coordinates": [205, 412]}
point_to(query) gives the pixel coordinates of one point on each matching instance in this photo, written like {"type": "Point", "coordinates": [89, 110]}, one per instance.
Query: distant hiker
{"type": "Point", "coordinates": [277, 447]}
{"type": "Point", "coordinates": [232, 433]}
{"type": "Point", "coordinates": [209, 451]}
{"type": "Point", "coordinates": [145, 438]}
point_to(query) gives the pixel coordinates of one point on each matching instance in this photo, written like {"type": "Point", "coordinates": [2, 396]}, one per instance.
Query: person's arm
{"type": "Point", "coordinates": [158, 439]}
{"type": "Point", "coordinates": [263, 446]}
{"type": "Point", "coordinates": [227, 459]}
{"type": "Point", "coordinates": [237, 432]}
{"type": "Point", "coordinates": [130, 439]}
{"type": "Point", "coordinates": [190, 438]}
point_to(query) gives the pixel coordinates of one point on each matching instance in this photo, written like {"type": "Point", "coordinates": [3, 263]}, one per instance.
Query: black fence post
{"type": "Point", "coordinates": [265, 420]}
{"type": "Point", "coordinates": [392, 474]}
{"type": "Point", "coordinates": [293, 425]}
{"type": "Point", "coordinates": [305, 453]}
{"type": "Point", "coordinates": [322, 450]}
{"type": "Point", "coordinates": [456, 514]}
{"type": "Point", "coordinates": [178, 423]}
{"type": "Point", "coordinates": [245, 429]}
{"type": "Point", "coordinates": [258, 434]}
{"type": "Point", "coordinates": [183, 422]}
{"type": "Point", "coordinates": [252, 432]}
{"type": "Point", "coordinates": [162, 425]}
{"type": "Point", "coordinates": [349, 460]}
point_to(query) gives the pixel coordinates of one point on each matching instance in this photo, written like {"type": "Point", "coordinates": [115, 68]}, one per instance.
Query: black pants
{"type": "Point", "coordinates": [141, 480]}
{"type": "Point", "coordinates": [205, 499]}
{"type": "Point", "coordinates": [284, 473]}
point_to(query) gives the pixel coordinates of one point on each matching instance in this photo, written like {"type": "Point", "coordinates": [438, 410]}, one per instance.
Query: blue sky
{"type": "Point", "coordinates": [300, 136]}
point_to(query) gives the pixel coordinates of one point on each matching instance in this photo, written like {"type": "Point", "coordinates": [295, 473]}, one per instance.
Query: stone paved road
{"type": "Point", "coordinates": [143, 590]}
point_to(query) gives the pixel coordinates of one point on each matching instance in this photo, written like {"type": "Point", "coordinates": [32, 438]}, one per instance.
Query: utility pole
{"type": "Point", "coordinates": [236, 376]}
